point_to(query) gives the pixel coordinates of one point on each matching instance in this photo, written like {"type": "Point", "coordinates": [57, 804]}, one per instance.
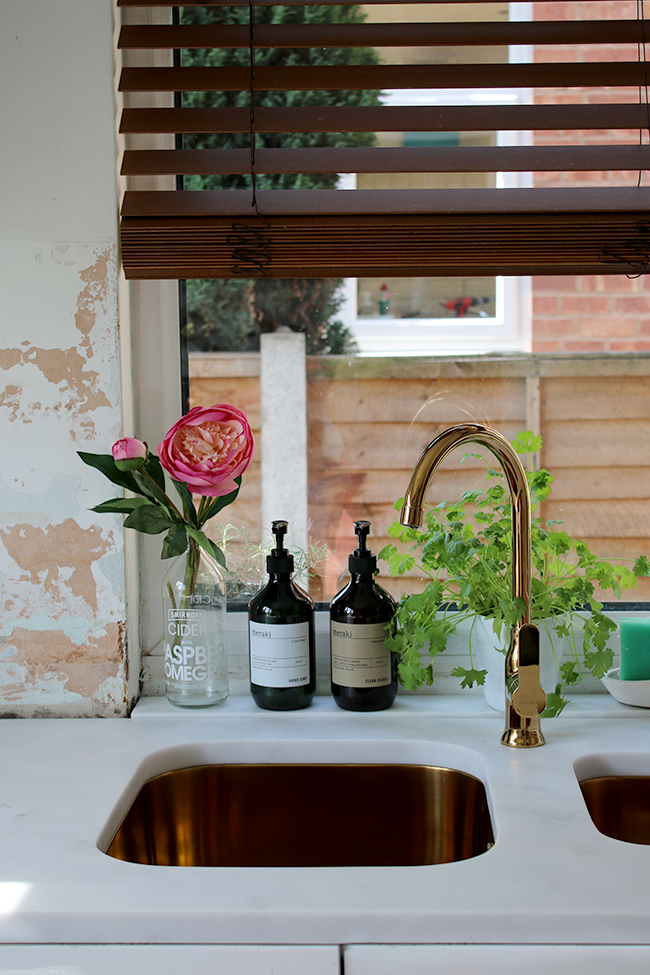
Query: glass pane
{"type": "Point", "coordinates": [368, 419]}
{"type": "Point", "coordinates": [585, 388]}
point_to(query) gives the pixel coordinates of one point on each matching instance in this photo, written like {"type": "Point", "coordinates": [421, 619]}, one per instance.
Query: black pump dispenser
{"type": "Point", "coordinates": [281, 635]}
{"type": "Point", "coordinates": [280, 561]}
{"type": "Point", "coordinates": [362, 561]}
{"type": "Point", "coordinates": [364, 671]}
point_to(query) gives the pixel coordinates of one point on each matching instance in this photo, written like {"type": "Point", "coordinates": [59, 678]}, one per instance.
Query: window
{"type": "Point", "coordinates": [453, 316]}
{"type": "Point", "coordinates": [586, 386]}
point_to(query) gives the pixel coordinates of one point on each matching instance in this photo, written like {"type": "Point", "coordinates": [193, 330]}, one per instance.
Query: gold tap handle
{"type": "Point", "coordinates": [529, 699]}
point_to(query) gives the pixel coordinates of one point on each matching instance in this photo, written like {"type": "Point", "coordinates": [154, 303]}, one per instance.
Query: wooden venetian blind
{"type": "Point", "coordinates": [597, 108]}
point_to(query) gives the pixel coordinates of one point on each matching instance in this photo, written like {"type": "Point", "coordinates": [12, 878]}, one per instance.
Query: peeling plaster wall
{"type": "Point", "coordinates": [62, 588]}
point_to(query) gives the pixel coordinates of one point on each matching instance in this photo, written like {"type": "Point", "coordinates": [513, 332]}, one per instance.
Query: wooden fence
{"type": "Point", "coordinates": [370, 418]}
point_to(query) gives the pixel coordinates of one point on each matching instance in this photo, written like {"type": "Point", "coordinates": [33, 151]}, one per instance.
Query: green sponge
{"type": "Point", "coordinates": [635, 648]}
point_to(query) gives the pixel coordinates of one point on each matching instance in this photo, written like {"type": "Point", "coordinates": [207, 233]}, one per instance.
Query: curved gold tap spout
{"type": "Point", "coordinates": [525, 699]}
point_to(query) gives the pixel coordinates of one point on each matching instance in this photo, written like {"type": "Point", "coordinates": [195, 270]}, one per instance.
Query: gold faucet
{"type": "Point", "coordinates": [525, 699]}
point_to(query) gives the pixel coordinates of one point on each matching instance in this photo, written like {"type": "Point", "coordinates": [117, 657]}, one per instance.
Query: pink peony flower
{"type": "Point", "coordinates": [129, 454]}
{"type": "Point", "coordinates": [208, 448]}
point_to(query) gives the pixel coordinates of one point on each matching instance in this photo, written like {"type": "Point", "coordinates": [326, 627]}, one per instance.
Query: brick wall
{"type": "Point", "coordinates": [589, 313]}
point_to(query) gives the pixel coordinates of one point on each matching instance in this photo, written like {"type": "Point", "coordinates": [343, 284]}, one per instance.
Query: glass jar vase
{"type": "Point", "coordinates": [194, 621]}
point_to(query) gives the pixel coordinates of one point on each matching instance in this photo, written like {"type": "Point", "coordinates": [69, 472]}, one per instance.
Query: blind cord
{"type": "Point", "coordinates": [251, 96]}
{"type": "Point", "coordinates": [639, 246]}
{"type": "Point", "coordinates": [251, 249]}
{"type": "Point", "coordinates": [641, 52]}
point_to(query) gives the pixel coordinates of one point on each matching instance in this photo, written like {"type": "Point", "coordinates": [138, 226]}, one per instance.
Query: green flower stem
{"type": "Point", "coordinates": [203, 504]}
{"type": "Point", "coordinates": [164, 493]}
{"type": "Point", "coordinates": [191, 573]}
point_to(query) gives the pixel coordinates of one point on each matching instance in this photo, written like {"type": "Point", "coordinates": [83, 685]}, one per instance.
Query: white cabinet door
{"type": "Point", "coordinates": [169, 959]}
{"type": "Point", "coordinates": [496, 959]}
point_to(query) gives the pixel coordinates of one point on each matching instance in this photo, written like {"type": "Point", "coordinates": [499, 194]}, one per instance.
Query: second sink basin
{"type": "Point", "coordinates": [619, 806]}
{"type": "Point", "coordinates": [305, 814]}
{"type": "Point", "coordinates": [616, 790]}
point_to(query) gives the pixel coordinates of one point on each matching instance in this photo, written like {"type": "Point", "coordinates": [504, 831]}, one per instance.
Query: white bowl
{"type": "Point", "coordinates": [635, 692]}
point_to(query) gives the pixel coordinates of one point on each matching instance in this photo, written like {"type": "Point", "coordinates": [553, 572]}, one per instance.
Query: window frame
{"type": "Point", "coordinates": [510, 329]}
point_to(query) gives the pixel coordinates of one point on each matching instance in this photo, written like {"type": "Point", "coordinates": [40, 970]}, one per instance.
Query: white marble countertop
{"type": "Point", "coordinates": [551, 877]}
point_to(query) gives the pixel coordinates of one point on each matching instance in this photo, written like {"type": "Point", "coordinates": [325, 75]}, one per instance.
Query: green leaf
{"type": "Point", "coordinates": [188, 502]}
{"type": "Point", "coordinates": [153, 467]}
{"type": "Point", "coordinates": [151, 489]}
{"type": "Point", "coordinates": [600, 662]}
{"type": "Point", "coordinates": [642, 566]}
{"type": "Point", "coordinates": [470, 676]}
{"type": "Point", "coordinates": [119, 505]}
{"type": "Point", "coordinates": [570, 672]}
{"type": "Point", "coordinates": [400, 564]}
{"type": "Point", "coordinates": [220, 503]}
{"type": "Point", "coordinates": [175, 542]}
{"type": "Point", "coordinates": [202, 539]}
{"type": "Point", "coordinates": [412, 676]}
{"type": "Point", "coordinates": [555, 704]}
{"type": "Point", "coordinates": [527, 442]}
{"type": "Point", "coordinates": [467, 457]}
{"type": "Point", "coordinates": [106, 464]}
{"type": "Point", "coordinates": [150, 519]}
{"type": "Point", "coordinates": [468, 497]}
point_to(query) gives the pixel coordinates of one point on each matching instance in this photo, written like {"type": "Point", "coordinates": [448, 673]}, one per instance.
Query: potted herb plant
{"type": "Point", "coordinates": [465, 553]}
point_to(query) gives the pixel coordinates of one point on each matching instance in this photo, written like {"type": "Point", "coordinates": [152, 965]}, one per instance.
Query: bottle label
{"type": "Point", "coordinates": [279, 654]}
{"type": "Point", "coordinates": [359, 654]}
{"type": "Point", "coordinates": [191, 655]}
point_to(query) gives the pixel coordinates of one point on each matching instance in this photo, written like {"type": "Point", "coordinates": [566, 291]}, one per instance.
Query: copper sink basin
{"type": "Point", "coordinates": [619, 806]}
{"type": "Point", "coordinates": [304, 815]}
{"type": "Point", "coordinates": [616, 790]}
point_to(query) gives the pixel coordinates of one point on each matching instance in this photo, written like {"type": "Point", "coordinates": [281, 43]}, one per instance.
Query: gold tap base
{"type": "Point", "coordinates": [522, 737]}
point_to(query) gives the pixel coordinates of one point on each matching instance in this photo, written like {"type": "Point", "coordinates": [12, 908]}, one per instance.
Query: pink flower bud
{"type": "Point", "coordinates": [208, 448]}
{"type": "Point", "coordinates": [129, 454]}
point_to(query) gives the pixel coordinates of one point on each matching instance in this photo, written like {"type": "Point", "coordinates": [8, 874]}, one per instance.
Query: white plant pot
{"type": "Point", "coordinates": [489, 653]}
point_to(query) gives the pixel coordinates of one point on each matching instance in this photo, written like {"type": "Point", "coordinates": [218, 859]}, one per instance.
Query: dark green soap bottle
{"type": "Point", "coordinates": [364, 672]}
{"type": "Point", "coordinates": [281, 636]}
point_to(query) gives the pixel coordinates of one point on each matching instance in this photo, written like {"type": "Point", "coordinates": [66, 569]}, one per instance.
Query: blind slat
{"type": "Point", "coordinates": [272, 203]}
{"type": "Point", "coordinates": [441, 118]}
{"type": "Point", "coordinates": [288, 3]}
{"type": "Point", "coordinates": [384, 35]}
{"type": "Point", "coordinates": [468, 159]}
{"type": "Point", "coordinates": [373, 77]}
